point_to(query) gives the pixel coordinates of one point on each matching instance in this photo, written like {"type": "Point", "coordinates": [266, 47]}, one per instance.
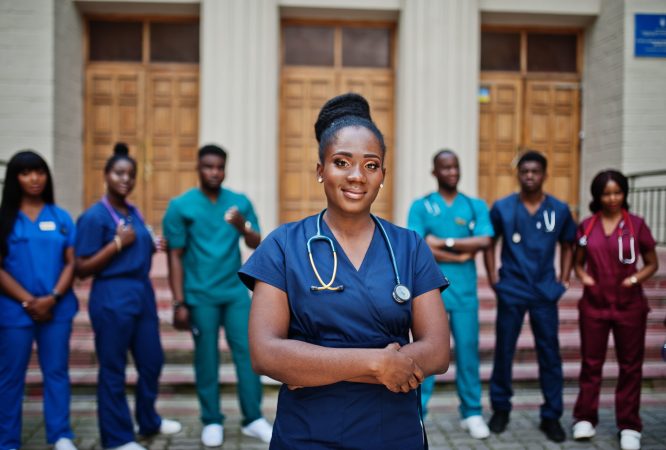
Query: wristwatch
{"type": "Point", "coordinates": [449, 242]}
{"type": "Point", "coordinates": [177, 304]}
{"type": "Point", "coordinates": [56, 295]}
{"type": "Point", "coordinates": [633, 279]}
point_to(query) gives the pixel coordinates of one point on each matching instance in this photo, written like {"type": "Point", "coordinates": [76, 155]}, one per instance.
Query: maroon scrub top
{"type": "Point", "coordinates": [603, 263]}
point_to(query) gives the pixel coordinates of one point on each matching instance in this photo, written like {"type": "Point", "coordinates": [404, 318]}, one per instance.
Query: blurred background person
{"type": "Point", "coordinates": [36, 298]}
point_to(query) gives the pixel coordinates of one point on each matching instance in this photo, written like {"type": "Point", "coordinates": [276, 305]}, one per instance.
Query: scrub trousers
{"type": "Point", "coordinates": [206, 321]}
{"type": "Point", "coordinates": [628, 328]}
{"type": "Point", "coordinates": [53, 354]}
{"type": "Point", "coordinates": [116, 332]}
{"type": "Point", "coordinates": [464, 326]}
{"type": "Point", "coordinates": [544, 322]}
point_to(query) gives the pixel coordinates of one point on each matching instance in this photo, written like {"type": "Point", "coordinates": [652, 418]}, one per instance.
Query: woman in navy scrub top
{"type": "Point", "coordinates": [114, 245]}
{"type": "Point", "coordinates": [350, 371]}
{"type": "Point", "coordinates": [613, 301]}
{"type": "Point", "coordinates": [36, 299]}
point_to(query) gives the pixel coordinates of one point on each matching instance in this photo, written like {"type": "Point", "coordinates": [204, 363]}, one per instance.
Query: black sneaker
{"type": "Point", "coordinates": [499, 421]}
{"type": "Point", "coordinates": [553, 430]}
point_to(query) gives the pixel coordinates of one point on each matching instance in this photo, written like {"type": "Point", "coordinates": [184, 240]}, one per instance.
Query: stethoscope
{"type": "Point", "coordinates": [401, 293]}
{"type": "Point", "coordinates": [548, 221]}
{"type": "Point", "coordinates": [434, 210]}
{"type": "Point", "coordinates": [620, 234]}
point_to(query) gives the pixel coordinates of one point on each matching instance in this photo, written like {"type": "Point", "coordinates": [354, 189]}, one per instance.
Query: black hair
{"type": "Point", "coordinates": [120, 151]}
{"type": "Point", "coordinates": [12, 193]}
{"type": "Point", "coordinates": [212, 149]}
{"type": "Point", "coordinates": [599, 184]}
{"type": "Point", "coordinates": [346, 110]}
{"type": "Point", "coordinates": [442, 152]}
{"type": "Point", "coordinates": [533, 155]}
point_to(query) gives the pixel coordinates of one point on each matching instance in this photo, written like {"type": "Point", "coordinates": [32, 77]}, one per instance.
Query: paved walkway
{"type": "Point", "coordinates": [443, 424]}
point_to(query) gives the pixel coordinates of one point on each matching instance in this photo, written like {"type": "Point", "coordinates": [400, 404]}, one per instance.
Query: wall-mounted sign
{"type": "Point", "coordinates": [484, 94]}
{"type": "Point", "coordinates": [650, 35]}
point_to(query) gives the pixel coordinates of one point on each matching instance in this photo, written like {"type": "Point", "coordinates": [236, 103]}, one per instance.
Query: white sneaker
{"type": "Point", "coordinates": [259, 429]}
{"type": "Point", "coordinates": [583, 430]}
{"type": "Point", "coordinates": [476, 426]}
{"type": "Point", "coordinates": [630, 440]}
{"type": "Point", "coordinates": [64, 444]}
{"type": "Point", "coordinates": [130, 446]}
{"type": "Point", "coordinates": [169, 426]}
{"type": "Point", "coordinates": [212, 435]}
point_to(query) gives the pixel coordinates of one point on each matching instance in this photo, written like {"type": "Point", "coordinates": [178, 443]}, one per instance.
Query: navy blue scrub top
{"type": "Point", "coordinates": [125, 278]}
{"type": "Point", "coordinates": [528, 270]}
{"type": "Point", "coordinates": [35, 260]}
{"type": "Point", "coordinates": [364, 315]}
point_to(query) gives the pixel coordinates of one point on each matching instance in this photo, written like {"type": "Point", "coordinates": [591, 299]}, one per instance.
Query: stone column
{"type": "Point", "coordinates": [239, 92]}
{"type": "Point", "coordinates": [437, 107]}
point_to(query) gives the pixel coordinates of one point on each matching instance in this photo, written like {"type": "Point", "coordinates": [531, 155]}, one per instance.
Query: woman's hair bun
{"type": "Point", "coordinates": [120, 149]}
{"type": "Point", "coordinates": [349, 104]}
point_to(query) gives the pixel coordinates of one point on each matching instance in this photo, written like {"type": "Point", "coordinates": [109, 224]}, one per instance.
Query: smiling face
{"type": "Point", "coordinates": [32, 182]}
{"type": "Point", "coordinates": [447, 171]}
{"type": "Point", "coordinates": [352, 170]}
{"type": "Point", "coordinates": [612, 198]}
{"type": "Point", "coordinates": [121, 178]}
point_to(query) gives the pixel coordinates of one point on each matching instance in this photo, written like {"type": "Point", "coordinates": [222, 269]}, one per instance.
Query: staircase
{"type": "Point", "coordinates": [178, 346]}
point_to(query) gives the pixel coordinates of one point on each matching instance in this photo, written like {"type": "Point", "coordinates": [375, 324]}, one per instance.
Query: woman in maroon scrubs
{"type": "Point", "coordinates": [610, 242]}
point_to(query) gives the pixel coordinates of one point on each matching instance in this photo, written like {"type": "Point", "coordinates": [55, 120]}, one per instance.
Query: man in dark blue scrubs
{"type": "Point", "coordinates": [530, 223]}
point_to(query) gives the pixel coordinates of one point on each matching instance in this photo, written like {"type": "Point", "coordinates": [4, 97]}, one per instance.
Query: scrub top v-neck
{"type": "Point", "coordinates": [35, 260]}
{"type": "Point", "coordinates": [363, 315]}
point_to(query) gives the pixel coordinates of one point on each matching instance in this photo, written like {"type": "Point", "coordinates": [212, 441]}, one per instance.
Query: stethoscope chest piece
{"type": "Point", "coordinates": [401, 294]}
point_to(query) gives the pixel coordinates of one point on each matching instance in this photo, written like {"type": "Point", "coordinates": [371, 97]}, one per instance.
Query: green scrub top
{"type": "Point", "coordinates": [212, 254]}
{"type": "Point", "coordinates": [432, 215]}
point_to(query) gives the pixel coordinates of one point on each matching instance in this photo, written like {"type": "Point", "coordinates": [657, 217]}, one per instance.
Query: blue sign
{"type": "Point", "coordinates": [650, 35]}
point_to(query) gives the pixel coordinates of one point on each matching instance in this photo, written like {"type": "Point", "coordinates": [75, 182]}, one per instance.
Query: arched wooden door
{"type": "Point", "coordinates": [321, 60]}
{"type": "Point", "coordinates": [142, 88]}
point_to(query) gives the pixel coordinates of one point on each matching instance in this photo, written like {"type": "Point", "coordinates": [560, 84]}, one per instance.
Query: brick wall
{"type": "Point", "coordinates": [26, 76]}
{"type": "Point", "coordinates": [602, 95]}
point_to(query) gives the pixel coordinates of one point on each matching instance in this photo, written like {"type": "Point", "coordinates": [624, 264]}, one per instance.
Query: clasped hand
{"type": "Point", "coordinates": [39, 308]}
{"type": "Point", "coordinates": [397, 371]}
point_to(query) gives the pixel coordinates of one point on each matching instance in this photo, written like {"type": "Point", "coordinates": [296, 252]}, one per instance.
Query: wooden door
{"type": "Point", "coordinates": [304, 90]}
{"type": "Point", "coordinates": [500, 126]}
{"type": "Point", "coordinates": [552, 126]}
{"type": "Point", "coordinates": [115, 99]}
{"type": "Point", "coordinates": [142, 88]}
{"type": "Point", "coordinates": [172, 128]}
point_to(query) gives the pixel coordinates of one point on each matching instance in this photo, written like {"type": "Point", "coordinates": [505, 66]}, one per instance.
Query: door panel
{"type": "Point", "coordinates": [114, 112]}
{"type": "Point", "coordinates": [499, 137]}
{"type": "Point", "coordinates": [551, 126]}
{"type": "Point", "coordinates": [172, 134]}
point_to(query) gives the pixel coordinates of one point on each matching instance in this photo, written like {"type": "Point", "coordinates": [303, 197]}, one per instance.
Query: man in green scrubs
{"type": "Point", "coordinates": [455, 227]}
{"type": "Point", "coordinates": [203, 227]}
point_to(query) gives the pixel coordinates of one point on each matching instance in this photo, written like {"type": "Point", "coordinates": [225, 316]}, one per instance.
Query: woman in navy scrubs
{"type": "Point", "coordinates": [335, 329]}
{"type": "Point", "coordinates": [610, 243]}
{"type": "Point", "coordinates": [114, 245]}
{"type": "Point", "coordinates": [36, 299]}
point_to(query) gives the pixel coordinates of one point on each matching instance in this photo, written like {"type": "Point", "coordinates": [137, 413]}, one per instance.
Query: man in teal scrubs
{"type": "Point", "coordinates": [455, 227]}
{"type": "Point", "coordinates": [203, 227]}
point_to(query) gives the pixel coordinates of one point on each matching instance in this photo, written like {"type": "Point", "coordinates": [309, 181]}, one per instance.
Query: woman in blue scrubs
{"type": "Point", "coordinates": [114, 245]}
{"type": "Point", "coordinates": [36, 298]}
{"type": "Point", "coordinates": [335, 329]}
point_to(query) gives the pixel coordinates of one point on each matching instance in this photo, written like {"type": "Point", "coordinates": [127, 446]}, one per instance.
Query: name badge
{"type": "Point", "coordinates": [47, 225]}
{"type": "Point", "coordinates": [460, 221]}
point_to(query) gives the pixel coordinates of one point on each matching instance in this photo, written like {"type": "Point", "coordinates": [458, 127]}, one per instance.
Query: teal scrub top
{"type": "Point", "coordinates": [432, 215]}
{"type": "Point", "coordinates": [211, 256]}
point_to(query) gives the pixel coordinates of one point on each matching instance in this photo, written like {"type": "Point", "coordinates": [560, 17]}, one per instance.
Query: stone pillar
{"type": "Point", "coordinates": [437, 107]}
{"type": "Point", "coordinates": [239, 92]}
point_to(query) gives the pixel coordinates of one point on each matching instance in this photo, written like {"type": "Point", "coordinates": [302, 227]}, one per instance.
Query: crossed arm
{"type": "Point", "coordinates": [301, 364]}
